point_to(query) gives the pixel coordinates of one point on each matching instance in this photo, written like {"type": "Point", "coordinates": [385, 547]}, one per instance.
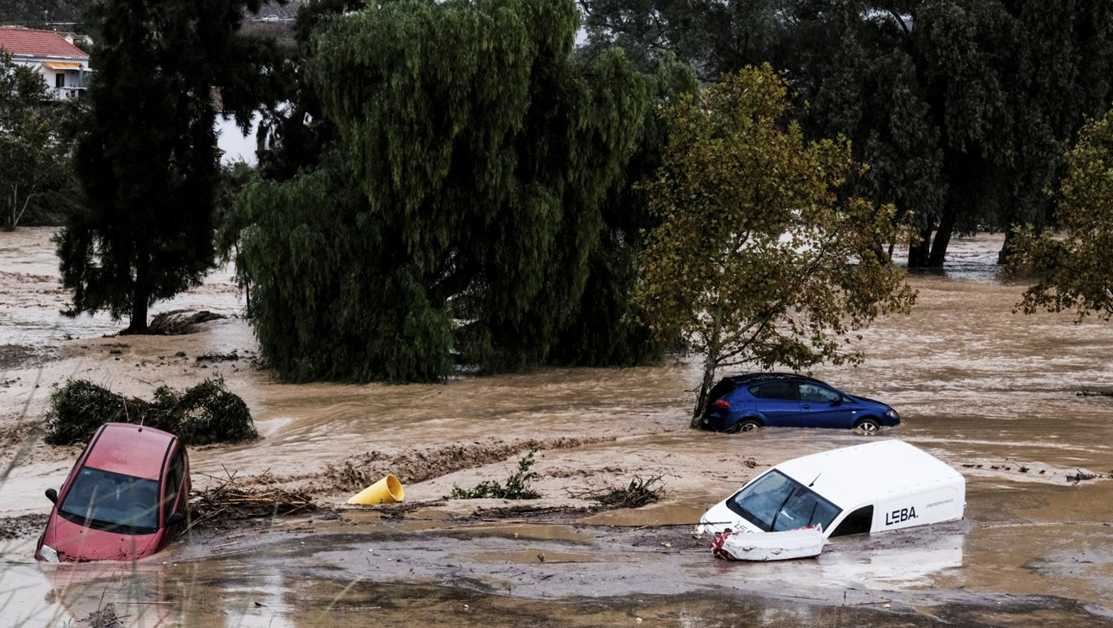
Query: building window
{"type": "Point", "coordinates": [60, 79]}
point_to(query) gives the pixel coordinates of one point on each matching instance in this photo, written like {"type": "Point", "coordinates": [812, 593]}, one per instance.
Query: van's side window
{"type": "Point", "coordinates": [857, 522]}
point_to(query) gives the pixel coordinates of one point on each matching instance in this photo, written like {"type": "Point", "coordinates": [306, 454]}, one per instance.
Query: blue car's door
{"type": "Point", "coordinates": [778, 403]}
{"type": "Point", "coordinates": [824, 407]}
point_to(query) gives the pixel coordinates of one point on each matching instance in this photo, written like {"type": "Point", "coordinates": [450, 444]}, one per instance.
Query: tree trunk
{"type": "Point", "coordinates": [140, 295]}
{"type": "Point", "coordinates": [1006, 247]}
{"type": "Point", "coordinates": [918, 253]}
{"type": "Point", "coordinates": [942, 239]}
{"type": "Point", "coordinates": [709, 366]}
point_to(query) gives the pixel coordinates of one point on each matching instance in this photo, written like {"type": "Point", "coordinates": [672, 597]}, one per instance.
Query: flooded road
{"type": "Point", "coordinates": [988, 391]}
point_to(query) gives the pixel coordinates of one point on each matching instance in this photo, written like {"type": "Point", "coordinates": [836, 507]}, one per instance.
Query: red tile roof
{"type": "Point", "coordinates": [24, 41]}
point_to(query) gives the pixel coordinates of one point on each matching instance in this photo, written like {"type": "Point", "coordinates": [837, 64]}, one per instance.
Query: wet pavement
{"type": "Point", "coordinates": [989, 391]}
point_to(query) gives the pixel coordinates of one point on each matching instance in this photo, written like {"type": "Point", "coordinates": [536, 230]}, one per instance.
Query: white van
{"type": "Point", "coordinates": [879, 486]}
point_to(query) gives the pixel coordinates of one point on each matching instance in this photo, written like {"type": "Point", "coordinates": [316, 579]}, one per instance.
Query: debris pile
{"type": "Point", "coordinates": [412, 467]}
{"type": "Point", "coordinates": [179, 322]}
{"type": "Point", "coordinates": [205, 413]}
{"type": "Point", "coordinates": [229, 501]}
{"type": "Point", "coordinates": [219, 357]}
{"type": "Point", "coordinates": [105, 617]}
{"type": "Point", "coordinates": [635, 495]}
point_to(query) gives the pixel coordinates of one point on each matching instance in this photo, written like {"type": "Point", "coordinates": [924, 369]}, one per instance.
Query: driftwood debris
{"type": "Point", "coordinates": [179, 322]}
{"type": "Point", "coordinates": [636, 494]}
{"type": "Point", "coordinates": [229, 501]}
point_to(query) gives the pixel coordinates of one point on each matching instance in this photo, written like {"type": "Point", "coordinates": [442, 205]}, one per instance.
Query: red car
{"type": "Point", "coordinates": [124, 499]}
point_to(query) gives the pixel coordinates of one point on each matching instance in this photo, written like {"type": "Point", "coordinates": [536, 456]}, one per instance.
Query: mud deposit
{"type": "Point", "coordinates": [992, 393]}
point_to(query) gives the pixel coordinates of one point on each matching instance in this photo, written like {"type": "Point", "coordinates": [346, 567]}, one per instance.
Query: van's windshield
{"type": "Point", "coordinates": [776, 502]}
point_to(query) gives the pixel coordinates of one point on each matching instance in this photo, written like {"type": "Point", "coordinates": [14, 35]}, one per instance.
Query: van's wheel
{"type": "Point", "coordinates": [746, 425]}
{"type": "Point", "coordinates": [868, 426]}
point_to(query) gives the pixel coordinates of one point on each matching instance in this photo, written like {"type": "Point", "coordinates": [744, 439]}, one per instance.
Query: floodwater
{"type": "Point", "coordinates": [991, 392]}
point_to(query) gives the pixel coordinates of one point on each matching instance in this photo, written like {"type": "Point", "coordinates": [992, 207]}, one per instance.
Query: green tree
{"type": "Point", "coordinates": [605, 331]}
{"type": "Point", "coordinates": [35, 166]}
{"type": "Point", "coordinates": [715, 37]}
{"type": "Point", "coordinates": [148, 160]}
{"type": "Point", "coordinates": [1074, 257]}
{"type": "Point", "coordinates": [758, 259]}
{"type": "Point", "coordinates": [462, 202]}
{"type": "Point", "coordinates": [958, 107]}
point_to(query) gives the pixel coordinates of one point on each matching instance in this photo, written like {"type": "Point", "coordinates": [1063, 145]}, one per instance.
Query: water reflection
{"type": "Point", "coordinates": [145, 594]}
{"type": "Point", "coordinates": [900, 560]}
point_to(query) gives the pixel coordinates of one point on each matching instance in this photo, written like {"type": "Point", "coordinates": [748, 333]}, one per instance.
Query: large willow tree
{"type": "Point", "coordinates": [457, 214]}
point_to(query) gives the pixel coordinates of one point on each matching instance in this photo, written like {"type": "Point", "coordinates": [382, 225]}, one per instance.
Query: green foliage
{"type": "Point", "coordinates": [758, 259]}
{"type": "Point", "coordinates": [516, 487]}
{"type": "Point", "coordinates": [458, 213]}
{"type": "Point", "coordinates": [606, 331]}
{"type": "Point", "coordinates": [80, 407]}
{"type": "Point", "coordinates": [1075, 259]}
{"type": "Point", "coordinates": [36, 172]}
{"type": "Point", "coordinates": [715, 37]}
{"type": "Point", "coordinates": [326, 301]}
{"type": "Point", "coordinates": [958, 107]}
{"type": "Point", "coordinates": [205, 413]}
{"type": "Point", "coordinates": [148, 159]}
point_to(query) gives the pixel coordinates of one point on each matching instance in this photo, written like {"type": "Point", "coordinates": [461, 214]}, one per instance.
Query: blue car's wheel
{"type": "Point", "coordinates": [869, 426]}
{"type": "Point", "coordinates": [745, 425]}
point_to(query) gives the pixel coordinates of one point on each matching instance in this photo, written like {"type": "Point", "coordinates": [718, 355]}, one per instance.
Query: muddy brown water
{"type": "Point", "coordinates": [988, 391]}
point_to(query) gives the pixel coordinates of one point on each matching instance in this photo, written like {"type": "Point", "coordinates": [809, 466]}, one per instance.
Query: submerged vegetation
{"type": "Point", "coordinates": [205, 413]}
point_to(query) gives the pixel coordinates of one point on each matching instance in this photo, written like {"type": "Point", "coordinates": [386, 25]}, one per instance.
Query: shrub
{"type": "Point", "coordinates": [205, 413]}
{"type": "Point", "coordinates": [517, 485]}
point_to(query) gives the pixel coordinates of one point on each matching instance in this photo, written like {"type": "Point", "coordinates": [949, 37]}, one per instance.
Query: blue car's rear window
{"type": "Point", "coordinates": [775, 390]}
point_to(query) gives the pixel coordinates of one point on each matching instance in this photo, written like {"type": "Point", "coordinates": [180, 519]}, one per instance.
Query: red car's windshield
{"type": "Point", "coordinates": [113, 502]}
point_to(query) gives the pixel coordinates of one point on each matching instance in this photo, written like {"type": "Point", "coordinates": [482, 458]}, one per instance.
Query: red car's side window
{"type": "Point", "coordinates": [173, 485]}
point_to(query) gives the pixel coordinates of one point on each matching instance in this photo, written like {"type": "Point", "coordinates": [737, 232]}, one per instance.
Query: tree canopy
{"type": "Point", "coordinates": [35, 167]}
{"type": "Point", "coordinates": [147, 160]}
{"type": "Point", "coordinates": [959, 108]}
{"type": "Point", "coordinates": [1074, 257]}
{"type": "Point", "coordinates": [758, 259]}
{"type": "Point", "coordinates": [465, 192]}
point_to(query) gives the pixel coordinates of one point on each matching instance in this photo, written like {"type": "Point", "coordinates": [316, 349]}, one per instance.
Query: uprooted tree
{"type": "Point", "coordinates": [1073, 258]}
{"type": "Point", "coordinates": [758, 259]}
{"type": "Point", "coordinates": [205, 413]}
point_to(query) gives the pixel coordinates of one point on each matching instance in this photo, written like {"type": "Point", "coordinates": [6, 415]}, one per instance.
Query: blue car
{"type": "Point", "coordinates": [742, 403]}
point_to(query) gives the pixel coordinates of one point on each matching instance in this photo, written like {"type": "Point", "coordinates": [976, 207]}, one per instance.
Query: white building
{"type": "Point", "coordinates": [63, 66]}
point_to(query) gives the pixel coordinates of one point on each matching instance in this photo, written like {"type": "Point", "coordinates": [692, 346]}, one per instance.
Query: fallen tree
{"type": "Point", "coordinates": [205, 413]}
